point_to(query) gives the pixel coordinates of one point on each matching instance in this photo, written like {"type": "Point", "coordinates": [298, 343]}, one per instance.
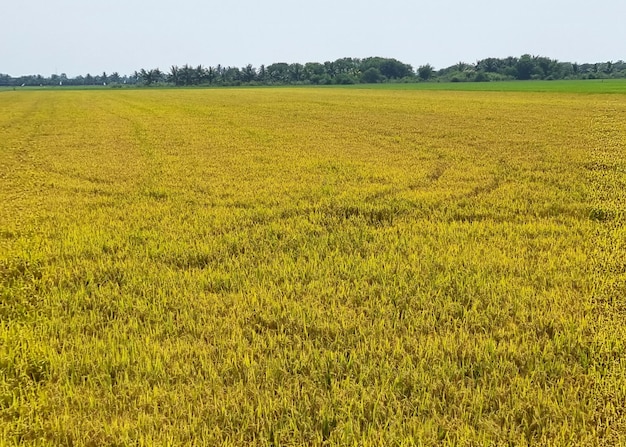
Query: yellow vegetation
{"type": "Point", "coordinates": [312, 266]}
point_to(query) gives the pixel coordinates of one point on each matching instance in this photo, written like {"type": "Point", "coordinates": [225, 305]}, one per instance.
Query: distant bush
{"type": "Point", "coordinates": [344, 79]}
{"type": "Point", "coordinates": [372, 76]}
{"type": "Point", "coordinates": [481, 76]}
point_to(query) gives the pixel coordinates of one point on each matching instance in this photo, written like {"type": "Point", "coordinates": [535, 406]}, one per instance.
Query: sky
{"type": "Point", "coordinates": [77, 37]}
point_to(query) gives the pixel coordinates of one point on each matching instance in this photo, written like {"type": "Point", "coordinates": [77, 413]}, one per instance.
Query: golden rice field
{"type": "Point", "coordinates": [294, 267]}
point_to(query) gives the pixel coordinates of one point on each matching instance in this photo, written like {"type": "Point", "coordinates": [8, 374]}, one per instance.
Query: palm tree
{"type": "Point", "coordinates": [174, 76]}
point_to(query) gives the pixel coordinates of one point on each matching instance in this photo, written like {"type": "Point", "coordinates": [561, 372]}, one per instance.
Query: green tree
{"type": "Point", "coordinates": [394, 69]}
{"type": "Point", "coordinates": [372, 76]}
{"type": "Point", "coordinates": [546, 67]}
{"type": "Point", "coordinates": [278, 73]}
{"type": "Point", "coordinates": [211, 74]}
{"type": "Point", "coordinates": [348, 65]}
{"type": "Point", "coordinates": [481, 76]}
{"type": "Point", "coordinates": [329, 68]}
{"type": "Point", "coordinates": [425, 72]}
{"type": "Point", "coordinates": [232, 76]}
{"type": "Point", "coordinates": [525, 67]}
{"type": "Point", "coordinates": [344, 79]}
{"type": "Point", "coordinates": [146, 77]}
{"type": "Point", "coordinates": [296, 73]}
{"type": "Point", "coordinates": [201, 75]}
{"type": "Point", "coordinates": [490, 65]}
{"type": "Point", "coordinates": [187, 75]}
{"type": "Point", "coordinates": [174, 75]}
{"type": "Point", "coordinates": [461, 67]}
{"type": "Point", "coordinates": [262, 74]}
{"type": "Point", "coordinates": [248, 73]}
{"type": "Point", "coordinates": [314, 72]}
{"type": "Point", "coordinates": [5, 79]}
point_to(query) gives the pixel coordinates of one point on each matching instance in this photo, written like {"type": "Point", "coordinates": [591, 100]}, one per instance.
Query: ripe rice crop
{"type": "Point", "coordinates": [312, 267]}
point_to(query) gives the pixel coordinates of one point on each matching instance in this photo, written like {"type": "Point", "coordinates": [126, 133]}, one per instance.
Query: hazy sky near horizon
{"type": "Point", "coordinates": [83, 36]}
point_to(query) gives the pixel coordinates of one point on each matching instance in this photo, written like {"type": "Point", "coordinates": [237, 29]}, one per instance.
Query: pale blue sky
{"type": "Point", "coordinates": [84, 36]}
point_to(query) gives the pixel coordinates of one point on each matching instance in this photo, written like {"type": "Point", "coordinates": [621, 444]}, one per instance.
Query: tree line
{"type": "Point", "coordinates": [339, 72]}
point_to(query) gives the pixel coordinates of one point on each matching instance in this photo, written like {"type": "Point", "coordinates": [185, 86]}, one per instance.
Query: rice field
{"type": "Point", "coordinates": [288, 267]}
